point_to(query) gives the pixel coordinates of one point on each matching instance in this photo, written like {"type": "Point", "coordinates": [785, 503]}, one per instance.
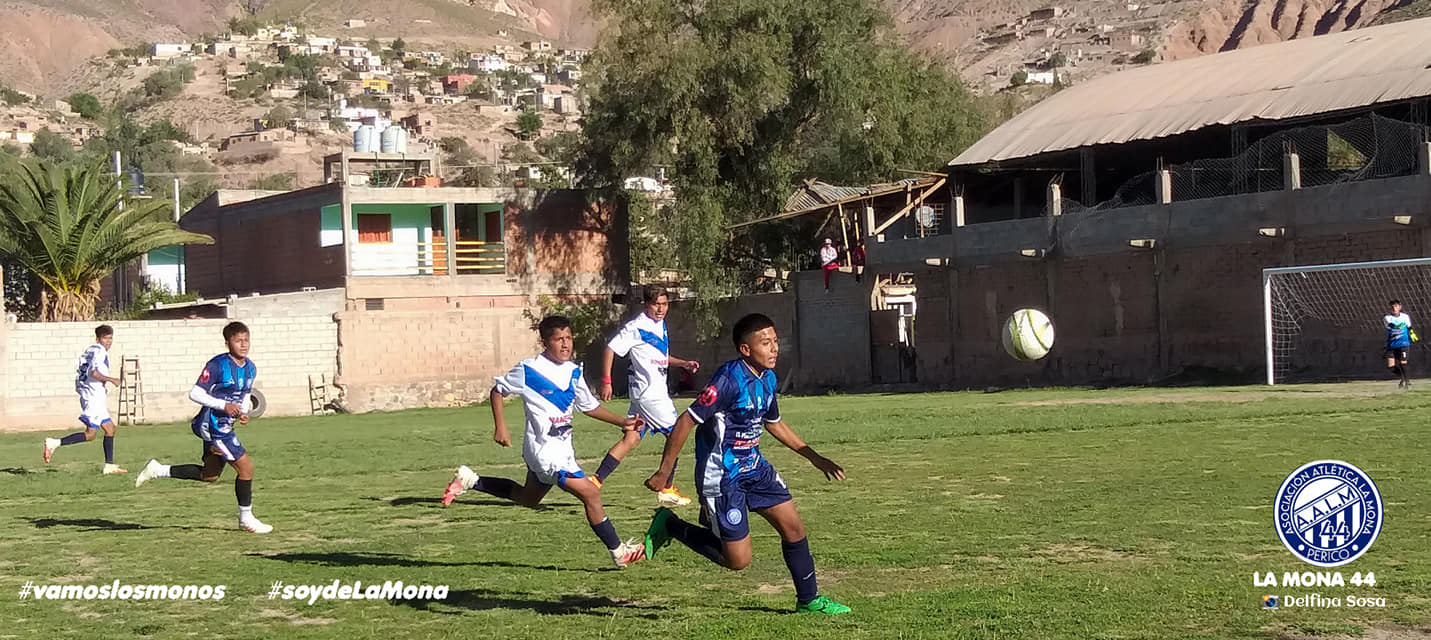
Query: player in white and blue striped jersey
{"type": "Point", "coordinates": [91, 374]}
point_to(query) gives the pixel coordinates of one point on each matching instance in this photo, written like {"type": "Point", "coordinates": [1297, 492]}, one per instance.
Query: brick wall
{"type": "Point", "coordinates": [38, 363]}
{"type": "Point", "coordinates": [393, 360]}
{"type": "Point", "coordinates": [262, 247]}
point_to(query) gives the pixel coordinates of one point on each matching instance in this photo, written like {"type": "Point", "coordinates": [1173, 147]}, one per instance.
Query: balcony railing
{"type": "Point", "coordinates": [428, 258]}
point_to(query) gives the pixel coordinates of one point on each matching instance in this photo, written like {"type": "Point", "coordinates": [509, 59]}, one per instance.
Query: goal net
{"type": "Point", "coordinates": [1326, 321]}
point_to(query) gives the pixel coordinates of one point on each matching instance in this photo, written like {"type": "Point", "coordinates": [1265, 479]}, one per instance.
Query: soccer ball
{"type": "Point", "coordinates": [1028, 334]}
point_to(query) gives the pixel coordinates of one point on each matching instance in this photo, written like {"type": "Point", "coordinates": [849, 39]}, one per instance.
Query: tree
{"type": "Point", "coordinates": [278, 117]}
{"type": "Point", "coordinates": [12, 97]}
{"type": "Point", "coordinates": [52, 146]}
{"type": "Point", "coordinates": [65, 225]}
{"type": "Point", "coordinates": [529, 122]}
{"type": "Point", "coordinates": [1019, 79]}
{"type": "Point", "coordinates": [1057, 60]}
{"type": "Point", "coordinates": [1145, 56]}
{"type": "Point", "coordinates": [87, 106]}
{"type": "Point", "coordinates": [746, 99]}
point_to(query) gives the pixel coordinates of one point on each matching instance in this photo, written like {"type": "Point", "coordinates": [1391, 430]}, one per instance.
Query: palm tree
{"type": "Point", "coordinates": [68, 227]}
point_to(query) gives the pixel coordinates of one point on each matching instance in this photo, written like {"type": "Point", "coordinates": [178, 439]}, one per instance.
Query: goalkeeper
{"type": "Point", "coordinates": [1399, 336]}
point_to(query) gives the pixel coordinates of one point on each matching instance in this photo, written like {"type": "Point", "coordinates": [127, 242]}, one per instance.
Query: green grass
{"type": "Point", "coordinates": [1098, 514]}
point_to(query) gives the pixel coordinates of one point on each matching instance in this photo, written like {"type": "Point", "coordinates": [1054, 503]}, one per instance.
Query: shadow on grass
{"type": "Point", "coordinates": [404, 501]}
{"type": "Point", "coordinates": [765, 610]}
{"type": "Point", "coordinates": [17, 471]}
{"type": "Point", "coordinates": [486, 600]}
{"type": "Point", "coordinates": [88, 524]}
{"type": "Point", "coordinates": [347, 559]}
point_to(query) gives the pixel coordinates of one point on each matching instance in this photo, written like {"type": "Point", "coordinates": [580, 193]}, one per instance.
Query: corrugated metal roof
{"type": "Point", "coordinates": [815, 194]}
{"type": "Point", "coordinates": [1269, 82]}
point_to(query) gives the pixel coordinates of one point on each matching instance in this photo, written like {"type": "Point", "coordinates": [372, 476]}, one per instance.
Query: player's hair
{"type": "Point", "coordinates": [1393, 301]}
{"type": "Point", "coordinates": [749, 324]}
{"type": "Point", "coordinates": [653, 292]}
{"type": "Point", "coordinates": [103, 330]}
{"type": "Point", "coordinates": [234, 328]}
{"type": "Point", "coordinates": [550, 325]}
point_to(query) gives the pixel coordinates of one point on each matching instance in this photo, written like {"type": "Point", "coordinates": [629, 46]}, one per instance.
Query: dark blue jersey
{"type": "Point", "coordinates": [732, 413]}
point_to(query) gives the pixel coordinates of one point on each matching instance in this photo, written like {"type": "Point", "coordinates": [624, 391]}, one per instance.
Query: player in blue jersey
{"type": "Point", "coordinates": [223, 390]}
{"type": "Point", "coordinates": [1399, 337]}
{"type": "Point", "coordinates": [91, 374]}
{"type": "Point", "coordinates": [731, 414]}
{"type": "Point", "coordinates": [551, 386]}
{"type": "Point", "coordinates": [644, 339]}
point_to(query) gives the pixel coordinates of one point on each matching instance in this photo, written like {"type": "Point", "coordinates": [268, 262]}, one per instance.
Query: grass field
{"type": "Point", "coordinates": [1022, 514]}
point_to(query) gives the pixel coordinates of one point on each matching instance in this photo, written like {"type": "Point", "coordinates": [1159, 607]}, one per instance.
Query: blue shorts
{"type": "Point", "coordinates": [225, 446]}
{"type": "Point", "coordinates": [729, 513]}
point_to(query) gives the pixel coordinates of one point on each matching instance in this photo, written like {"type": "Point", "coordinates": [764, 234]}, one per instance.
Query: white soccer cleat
{"type": "Point", "coordinates": [111, 469]}
{"type": "Point", "coordinates": [252, 525]}
{"type": "Point", "coordinates": [629, 552]}
{"type": "Point", "coordinates": [149, 472]}
{"type": "Point", "coordinates": [463, 480]}
{"type": "Point", "coordinates": [50, 445]}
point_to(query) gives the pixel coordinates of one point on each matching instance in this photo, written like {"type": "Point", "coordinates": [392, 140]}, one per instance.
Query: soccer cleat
{"type": "Point", "coordinates": [111, 469]}
{"type": "Point", "coordinates": [669, 497]}
{"type": "Point", "coordinates": [656, 535]}
{"type": "Point", "coordinates": [149, 472]}
{"type": "Point", "coordinates": [628, 553]}
{"type": "Point", "coordinates": [50, 445]}
{"type": "Point", "coordinates": [461, 482]}
{"type": "Point", "coordinates": [252, 525]}
{"type": "Point", "coordinates": [824, 605]}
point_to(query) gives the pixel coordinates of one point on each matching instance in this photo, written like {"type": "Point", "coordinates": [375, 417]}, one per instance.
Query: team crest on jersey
{"type": "Point", "coordinates": [733, 516]}
{"type": "Point", "coordinates": [204, 375]}
{"type": "Point", "coordinates": [708, 397]}
{"type": "Point", "coordinates": [1328, 513]}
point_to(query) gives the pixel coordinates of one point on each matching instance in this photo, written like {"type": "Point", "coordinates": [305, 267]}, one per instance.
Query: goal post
{"type": "Point", "coordinates": [1348, 298]}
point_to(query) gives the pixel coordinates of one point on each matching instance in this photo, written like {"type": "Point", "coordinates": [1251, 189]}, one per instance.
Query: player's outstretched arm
{"type": "Point", "coordinates": [607, 358]}
{"type": "Point", "coordinates": [679, 433]}
{"type": "Point", "coordinates": [626, 423]}
{"type": "Point", "coordinates": [689, 365]}
{"type": "Point", "coordinates": [789, 438]}
{"type": "Point", "coordinates": [499, 419]}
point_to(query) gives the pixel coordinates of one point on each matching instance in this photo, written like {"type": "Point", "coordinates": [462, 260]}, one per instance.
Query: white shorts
{"type": "Point", "coordinates": [93, 412]}
{"type": "Point", "coordinates": [656, 409]}
{"type": "Point", "coordinates": [553, 462]}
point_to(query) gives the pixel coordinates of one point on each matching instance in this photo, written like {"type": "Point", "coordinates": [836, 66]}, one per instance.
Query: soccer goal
{"type": "Point", "coordinates": [1345, 299]}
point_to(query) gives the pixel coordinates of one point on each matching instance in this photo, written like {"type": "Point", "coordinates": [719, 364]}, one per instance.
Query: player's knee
{"type": "Point", "coordinates": [212, 478]}
{"type": "Point", "coordinates": [89, 434]}
{"type": "Point", "coordinates": [793, 532]}
{"type": "Point", "coordinates": [737, 563]}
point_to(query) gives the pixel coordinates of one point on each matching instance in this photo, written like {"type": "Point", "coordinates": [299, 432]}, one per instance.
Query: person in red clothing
{"type": "Point", "coordinates": [857, 260]}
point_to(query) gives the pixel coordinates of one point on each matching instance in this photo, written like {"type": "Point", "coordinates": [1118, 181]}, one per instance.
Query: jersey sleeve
{"type": "Point", "coordinates": [99, 362]}
{"type": "Point", "coordinates": [514, 381]}
{"type": "Point", "coordinates": [210, 376]}
{"type": "Point", "coordinates": [585, 400]}
{"type": "Point", "coordinates": [716, 398]}
{"type": "Point", "coordinates": [624, 340]}
{"type": "Point", "coordinates": [772, 413]}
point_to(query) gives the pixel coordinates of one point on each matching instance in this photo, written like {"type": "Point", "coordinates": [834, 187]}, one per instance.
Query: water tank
{"type": "Point", "coordinates": [401, 146]}
{"type": "Point", "coordinates": [389, 140]}
{"type": "Point", "coordinates": [363, 139]}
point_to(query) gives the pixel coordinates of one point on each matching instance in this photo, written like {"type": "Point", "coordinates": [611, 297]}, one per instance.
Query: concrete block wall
{"type": "Point", "coordinates": [39, 365]}
{"type": "Point", "coordinates": [391, 360]}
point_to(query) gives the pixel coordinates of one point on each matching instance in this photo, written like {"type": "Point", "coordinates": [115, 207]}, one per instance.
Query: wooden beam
{"type": "Point", "coordinates": [921, 173]}
{"type": "Point", "coordinates": [905, 211]}
{"type": "Point", "coordinates": [845, 236]}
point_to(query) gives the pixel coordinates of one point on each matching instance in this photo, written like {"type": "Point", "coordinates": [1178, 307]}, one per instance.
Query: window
{"type": "Point", "coordinates": [375, 227]}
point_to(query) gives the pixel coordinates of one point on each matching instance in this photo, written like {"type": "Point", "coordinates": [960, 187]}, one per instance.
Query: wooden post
{"type": "Point", "coordinates": [844, 233]}
{"type": "Point", "coordinates": [869, 222]}
{"type": "Point", "coordinates": [958, 205]}
{"type": "Point", "coordinates": [1163, 188]}
{"type": "Point", "coordinates": [1291, 172]}
{"type": "Point", "coordinates": [1055, 200]}
{"type": "Point", "coordinates": [1423, 158]}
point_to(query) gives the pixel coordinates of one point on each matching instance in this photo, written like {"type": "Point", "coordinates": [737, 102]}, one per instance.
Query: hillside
{"type": "Point", "coordinates": [986, 41]}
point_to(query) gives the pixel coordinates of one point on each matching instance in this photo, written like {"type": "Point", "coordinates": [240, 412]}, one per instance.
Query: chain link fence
{"type": "Point", "coordinates": [1367, 148]}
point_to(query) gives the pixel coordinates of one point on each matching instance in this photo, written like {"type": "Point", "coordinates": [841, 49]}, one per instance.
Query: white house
{"type": "Point", "coordinates": [169, 50]}
{"type": "Point", "coordinates": [322, 45]}
{"type": "Point", "coordinates": [488, 63]}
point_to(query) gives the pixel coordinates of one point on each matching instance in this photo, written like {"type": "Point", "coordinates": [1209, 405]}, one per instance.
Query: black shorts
{"type": "Point", "coordinates": [1398, 354]}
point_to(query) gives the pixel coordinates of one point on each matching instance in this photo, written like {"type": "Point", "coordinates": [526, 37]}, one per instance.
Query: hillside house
{"type": "Point", "coordinates": [164, 51]}
{"type": "Point", "coordinates": [488, 63]}
{"type": "Point", "coordinates": [456, 84]}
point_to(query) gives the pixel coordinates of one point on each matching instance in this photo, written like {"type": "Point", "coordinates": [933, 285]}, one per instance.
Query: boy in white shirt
{"type": "Point", "coordinates": [91, 374]}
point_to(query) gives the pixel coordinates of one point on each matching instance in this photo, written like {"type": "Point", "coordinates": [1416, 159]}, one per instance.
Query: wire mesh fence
{"type": "Point", "coordinates": [1366, 148]}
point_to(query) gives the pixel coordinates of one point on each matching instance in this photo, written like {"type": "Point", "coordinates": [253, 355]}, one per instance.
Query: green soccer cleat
{"type": "Point", "coordinates": [656, 534]}
{"type": "Point", "coordinates": [823, 605]}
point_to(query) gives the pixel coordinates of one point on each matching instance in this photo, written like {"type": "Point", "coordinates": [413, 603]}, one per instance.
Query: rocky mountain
{"type": "Point", "coordinates": [987, 41]}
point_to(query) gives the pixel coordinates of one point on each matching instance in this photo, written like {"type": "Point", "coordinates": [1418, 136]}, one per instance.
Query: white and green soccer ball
{"type": "Point", "coordinates": [1028, 334]}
